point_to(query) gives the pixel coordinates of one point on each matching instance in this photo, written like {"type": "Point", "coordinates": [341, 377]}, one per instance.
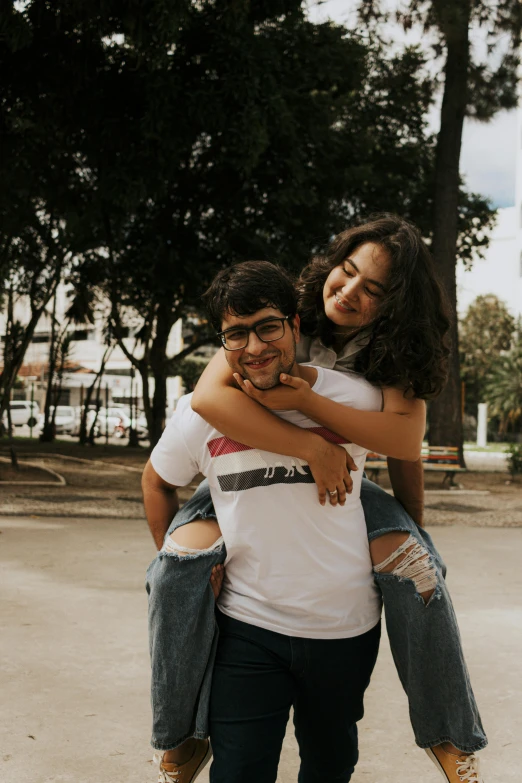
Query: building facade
{"type": "Point", "coordinates": [118, 384]}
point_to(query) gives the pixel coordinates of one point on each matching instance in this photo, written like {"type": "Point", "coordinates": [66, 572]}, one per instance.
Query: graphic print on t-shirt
{"type": "Point", "coordinates": [238, 467]}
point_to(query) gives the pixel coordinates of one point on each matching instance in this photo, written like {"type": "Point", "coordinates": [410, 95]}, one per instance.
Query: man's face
{"type": "Point", "coordinates": [260, 362]}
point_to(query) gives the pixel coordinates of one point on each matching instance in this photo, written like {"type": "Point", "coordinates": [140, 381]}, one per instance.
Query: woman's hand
{"type": "Point", "coordinates": [330, 465]}
{"type": "Point", "coordinates": [291, 395]}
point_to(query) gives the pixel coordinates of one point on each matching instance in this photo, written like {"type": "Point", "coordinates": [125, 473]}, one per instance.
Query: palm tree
{"type": "Point", "coordinates": [503, 389]}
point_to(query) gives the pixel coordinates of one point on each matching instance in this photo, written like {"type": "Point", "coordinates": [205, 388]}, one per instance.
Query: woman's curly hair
{"type": "Point", "coordinates": [408, 346]}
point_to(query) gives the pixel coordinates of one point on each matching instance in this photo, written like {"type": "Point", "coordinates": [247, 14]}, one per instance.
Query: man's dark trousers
{"type": "Point", "coordinates": [259, 675]}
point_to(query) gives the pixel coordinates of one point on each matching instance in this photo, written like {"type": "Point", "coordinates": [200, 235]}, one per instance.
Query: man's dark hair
{"type": "Point", "coordinates": [247, 287]}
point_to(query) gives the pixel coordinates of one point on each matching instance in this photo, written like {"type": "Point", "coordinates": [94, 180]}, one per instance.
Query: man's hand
{"type": "Point", "coordinates": [330, 465]}
{"type": "Point", "coordinates": [291, 395]}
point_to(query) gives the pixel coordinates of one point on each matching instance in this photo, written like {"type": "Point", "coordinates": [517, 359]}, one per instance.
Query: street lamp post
{"type": "Point", "coordinates": [106, 414]}
{"type": "Point", "coordinates": [133, 432]}
{"type": "Point", "coordinates": [31, 420]}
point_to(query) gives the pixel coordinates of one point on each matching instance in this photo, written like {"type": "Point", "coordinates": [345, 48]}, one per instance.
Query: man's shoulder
{"type": "Point", "coordinates": [183, 404]}
{"type": "Point", "coordinates": [187, 419]}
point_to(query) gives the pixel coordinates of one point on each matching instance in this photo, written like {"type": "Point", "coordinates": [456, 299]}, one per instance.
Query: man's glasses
{"type": "Point", "coordinates": [268, 330]}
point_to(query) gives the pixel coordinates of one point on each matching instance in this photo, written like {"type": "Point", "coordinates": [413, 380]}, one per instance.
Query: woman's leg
{"type": "Point", "coordinates": [422, 626]}
{"type": "Point", "coordinates": [194, 536]}
{"type": "Point", "coordinates": [182, 628]}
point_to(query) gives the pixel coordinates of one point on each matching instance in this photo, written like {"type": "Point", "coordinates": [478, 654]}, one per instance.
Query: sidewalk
{"type": "Point", "coordinates": [74, 677]}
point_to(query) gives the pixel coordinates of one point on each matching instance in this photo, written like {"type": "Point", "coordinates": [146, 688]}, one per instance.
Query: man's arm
{"type": "Point", "coordinates": [161, 503]}
{"type": "Point", "coordinates": [407, 480]}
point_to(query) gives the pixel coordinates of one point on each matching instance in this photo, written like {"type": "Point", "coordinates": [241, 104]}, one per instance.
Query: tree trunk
{"type": "Point", "coordinates": [12, 452]}
{"type": "Point", "coordinates": [12, 366]}
{"type": "Point", "coordinates": [446, 411]}
{"type": "Point", "coordinates": [159, 367]}
{"type": "Point", "coordinates": [159, 405]}
{"type": "Point", "coordinates": [92, 432]}
{"type": "Point", "coordinates": [48, 433]}
{"type": "Point", "coordinates": [83, 437]}
{"type": "Point", "coordinates": [10, 371]}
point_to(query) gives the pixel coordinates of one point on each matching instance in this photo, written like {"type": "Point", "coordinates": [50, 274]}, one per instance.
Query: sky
{"type": "Point", "coordinates": [488, 149]}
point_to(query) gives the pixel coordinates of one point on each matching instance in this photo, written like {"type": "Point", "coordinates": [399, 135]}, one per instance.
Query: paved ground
{"type": "Point", "coordinates": [74, 672]}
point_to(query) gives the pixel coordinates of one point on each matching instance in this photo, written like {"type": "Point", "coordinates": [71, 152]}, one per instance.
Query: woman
{"type": "Point", "coordinates": [371, 304]}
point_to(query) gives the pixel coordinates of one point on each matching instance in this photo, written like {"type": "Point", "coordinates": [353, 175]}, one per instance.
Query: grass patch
{"type": "Point", "coordinates": [26, 473]}
{"type": "Point", "coordinates": [491, 448]}
{"type": "Point", "coordinates": [122, 455]}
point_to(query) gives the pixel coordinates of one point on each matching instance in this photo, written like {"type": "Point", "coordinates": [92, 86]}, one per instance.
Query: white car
{"type": "Point", "coordinates": [64, 419]}
{"type": "Point", "coordinates": [22, 412]}
{"type": "Point", "coordinates": [142, 427]}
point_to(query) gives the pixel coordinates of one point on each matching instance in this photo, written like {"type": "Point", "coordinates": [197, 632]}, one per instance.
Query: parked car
{"type": "Point", "coordinates": [142, 427]}
{"type": "Point", "coordinates": [64, 419]}
{"type": "Point", "coordinates": [22, 412]}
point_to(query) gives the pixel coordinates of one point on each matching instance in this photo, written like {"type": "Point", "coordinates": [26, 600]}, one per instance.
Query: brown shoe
{"type": "Point", "coordinates": [461, 768]}
{"type": "Point", "coordinates": [186, 773]}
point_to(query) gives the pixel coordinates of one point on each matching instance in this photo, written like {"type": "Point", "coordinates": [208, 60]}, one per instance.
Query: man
{"type": "Point", "coordinates": [299, 614]}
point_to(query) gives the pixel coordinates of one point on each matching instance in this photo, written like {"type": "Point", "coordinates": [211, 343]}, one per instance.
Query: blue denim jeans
{"type": "Point", "coordinates": [259, 675]}
{"type": "Point", "coordinates": [424, 637]}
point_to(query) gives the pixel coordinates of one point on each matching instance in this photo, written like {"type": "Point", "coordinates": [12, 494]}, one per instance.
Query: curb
{"type": "Point", "coordinates": [61, 481]}
{"type": "Point", "coordinates": [47, 455]}
{"type": "Point", "coordinates": [450, 492]}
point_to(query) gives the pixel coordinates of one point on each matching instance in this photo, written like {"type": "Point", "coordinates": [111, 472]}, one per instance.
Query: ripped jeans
{"type": "Point", "coordinates": [424, 638]}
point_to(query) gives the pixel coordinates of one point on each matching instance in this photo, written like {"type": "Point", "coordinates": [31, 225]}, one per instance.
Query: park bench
{"type": "Point", "coordinates": [443, 459]}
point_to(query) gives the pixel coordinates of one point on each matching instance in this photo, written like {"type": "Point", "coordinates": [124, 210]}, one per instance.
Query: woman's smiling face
{"type": "Point", "coordinates": [353, 289]}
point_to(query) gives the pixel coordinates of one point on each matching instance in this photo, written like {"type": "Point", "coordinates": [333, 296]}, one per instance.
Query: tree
{"type": "Point", "coordinates": [189, 372]}
{"type": "Point", "coordinates": [33, 265]}
{"type": "Point", "coordinates": [290, 170]}
{"type": "Point", "coordinates": [472, 86]}
{"type": "Point", "coordinates": [503, 389]}
{"type": "Point", "coordinates": [84, 436]}
{"type": "Point", "coordinates": [486, 331]}
{"type": "Point", "coordinates": [40, 175]}
{"type": "Point", "coordinates": [180, 139]}
{"type": "Point", "coordinates": [80, 311]}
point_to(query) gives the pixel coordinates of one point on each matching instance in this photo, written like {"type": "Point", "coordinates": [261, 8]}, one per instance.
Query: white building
{"type": "Point", "coordinates": [88, 348]}
{"type": "Point", "coordinates": [500, 272]}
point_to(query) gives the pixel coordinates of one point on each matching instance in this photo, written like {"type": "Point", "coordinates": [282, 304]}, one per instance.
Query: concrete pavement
{"type": "Point", "coordinates": [74, 671]}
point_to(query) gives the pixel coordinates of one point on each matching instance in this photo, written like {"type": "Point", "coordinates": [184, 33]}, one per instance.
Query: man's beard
{"type": "Point", "coordinates": [285, 365]}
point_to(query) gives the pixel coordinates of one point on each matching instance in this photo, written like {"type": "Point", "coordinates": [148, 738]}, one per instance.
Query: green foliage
{"type": "Point", "coordinates": [485, 332]}
{"type": "Point", "coordinates": [503, 390]}
{"type": "Point", "coordinates": [474, 84]}
{"type": "Point", "coordinates": [190, 372]}
{"type": "Point", "coordinates": [514, 452]}
{"type": "Point", "coordinates": [492, 70]}
{"type": "Point", "coordinates": [156, 143]}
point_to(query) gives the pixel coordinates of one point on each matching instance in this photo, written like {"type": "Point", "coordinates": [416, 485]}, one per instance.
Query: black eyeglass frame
{"type": "Point", "coordinates": [249, 329]}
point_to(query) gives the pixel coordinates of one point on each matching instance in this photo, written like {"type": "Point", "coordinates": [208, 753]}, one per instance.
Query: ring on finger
{"type": "Point", "coordinates": [332, 492]}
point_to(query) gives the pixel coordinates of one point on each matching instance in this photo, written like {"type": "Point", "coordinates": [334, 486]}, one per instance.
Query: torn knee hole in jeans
{"type": "Point", "coordinates": [170, 547]}
{"type": "Point", "coordinates": [415, 565]}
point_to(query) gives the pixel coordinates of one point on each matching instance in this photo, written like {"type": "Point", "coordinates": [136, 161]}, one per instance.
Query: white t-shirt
{"type": "Point", "coordinates": [293, 566]}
